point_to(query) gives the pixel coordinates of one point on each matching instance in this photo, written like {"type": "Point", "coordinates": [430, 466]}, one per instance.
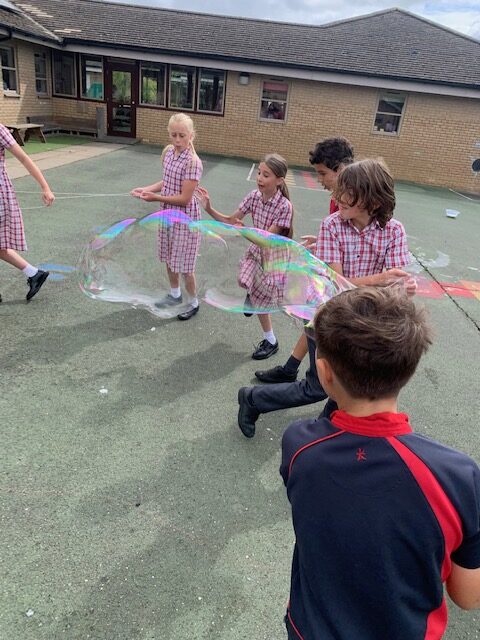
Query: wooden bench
{"type": "Point", "coordinates": [62, 124]}
{"type": "Point", "coordinates": [28, 130]}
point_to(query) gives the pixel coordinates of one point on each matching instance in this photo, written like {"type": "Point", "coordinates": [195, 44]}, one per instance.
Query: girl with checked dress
{"type": "Point", "coordinates": [177, 246]}
{"type": "Point", "coordinates": [271, 210]}
{"type": "Point", "coordinates": [12, 236]}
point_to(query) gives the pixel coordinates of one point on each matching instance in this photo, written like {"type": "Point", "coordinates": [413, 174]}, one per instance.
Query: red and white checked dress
{"type": "Point", "coordinates": [265, 287]}
{"type": "Point", "coordinates": [177, 246]}
{"type": "Point", "coordinates": [12, 235]}
{"type": "Point", "coordinates": [366, 252]}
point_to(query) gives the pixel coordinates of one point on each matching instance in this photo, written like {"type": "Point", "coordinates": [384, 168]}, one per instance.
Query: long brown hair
{"type": "Point", "coordinates": [279, 166]}
{"type": "Point", "coordinates": [370, 184]}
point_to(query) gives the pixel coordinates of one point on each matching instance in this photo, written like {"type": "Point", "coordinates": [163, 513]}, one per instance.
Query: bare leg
{"type": "Point", "coordinates": [190, 284]}
{"type": "Point", "coordinates": [265, 321]}
{"type": "Point", "coordinates": [174, 278]}
{"type": "Point", "coordinates": [300, 350]}
{"type": "Point", "coordinates": [12, 257]}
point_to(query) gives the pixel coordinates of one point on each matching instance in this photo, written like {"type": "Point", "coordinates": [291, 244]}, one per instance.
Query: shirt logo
{"type": "Point", "coordinates": [361, 455]}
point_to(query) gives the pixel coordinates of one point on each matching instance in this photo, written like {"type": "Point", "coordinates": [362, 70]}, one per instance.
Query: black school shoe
{"type": "Point", "coordinates": [264, 350]}
{"type": "Point", "coordinates": [189, 313]}
{"type": "Point", "coordinates": [248, 305]}
{"type": "Point", "coordinates": [277, 374]}
{"type": "Point", "coordinates": [247, 415]}
{"type": "Point", "coordinates": [35, 283]}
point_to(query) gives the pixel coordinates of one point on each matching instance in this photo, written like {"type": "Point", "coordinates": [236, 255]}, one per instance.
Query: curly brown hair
{"type": "Point", "coordinates": [369, 184]}
{"type": "Point", "coordinates": [332, 152]}
{"type": "Point", "coordinates": [373, 338]}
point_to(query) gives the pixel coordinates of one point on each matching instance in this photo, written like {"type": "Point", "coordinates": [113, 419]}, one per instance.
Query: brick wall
{"type": "Point", "coordinates": [27, 103]}
{"type": "Point", "coordinates": [436, 144]}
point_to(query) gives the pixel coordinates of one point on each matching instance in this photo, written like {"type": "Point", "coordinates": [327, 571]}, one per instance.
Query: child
{"type": "Point", "coordinates": [12, 237]}
{"type": "Point", "coordinates": [178, 247]}
{"type": "Point", "coordinates": [363, 243]}
{"type": "Point", "coordinates": [272, 211]}
{"type": "Point", "coordinates": [328, 158]}
{"type": "Point", "coordinates": [382, 516]}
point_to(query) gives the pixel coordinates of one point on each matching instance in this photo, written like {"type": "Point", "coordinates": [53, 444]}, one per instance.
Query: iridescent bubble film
{"type": "Point", "coordinates": [239, 269]}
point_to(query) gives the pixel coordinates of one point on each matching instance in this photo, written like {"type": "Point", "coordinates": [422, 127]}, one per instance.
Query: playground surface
{"type": "Point", "coordinates": [132, 508]}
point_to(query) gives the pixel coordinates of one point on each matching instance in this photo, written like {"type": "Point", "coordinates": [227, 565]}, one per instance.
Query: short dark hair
{"type": "Point", "coordinates": [373, 338]}
{"type": "Point", "coordinates": [370, 184]}
{"type": "Point", "coordinates": [332, 152]}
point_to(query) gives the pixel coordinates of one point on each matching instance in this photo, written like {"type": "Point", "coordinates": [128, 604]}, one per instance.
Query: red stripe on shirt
{"type": "Point", "coordinates": [311, 444]}
{"type": "Point", "coordinates": [449, 522]}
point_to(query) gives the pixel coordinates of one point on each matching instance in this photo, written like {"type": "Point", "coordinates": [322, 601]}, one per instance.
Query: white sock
{"type": "Point", "coordinates": [30, 271]}
{"type": "Point", "coordinates": [175, 293]}
{"type": "Point", "coordinates": [194, 303]}
{"type": "Point", "coordinates": [270, 336]}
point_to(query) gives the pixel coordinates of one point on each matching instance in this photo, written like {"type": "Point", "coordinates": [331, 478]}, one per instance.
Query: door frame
{"type": "Point", "coordinates": [131, 67]}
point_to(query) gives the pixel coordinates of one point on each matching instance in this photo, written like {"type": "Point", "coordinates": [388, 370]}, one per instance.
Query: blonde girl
{"type": "Point", "coordinates": [177, 246]}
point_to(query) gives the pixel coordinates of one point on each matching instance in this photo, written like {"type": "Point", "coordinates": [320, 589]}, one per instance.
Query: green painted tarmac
{"type": "Point", "coordinates": [143, 513]}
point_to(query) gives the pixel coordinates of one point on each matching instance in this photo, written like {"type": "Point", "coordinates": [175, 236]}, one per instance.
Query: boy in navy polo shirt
{"type": "Point", "coordinates": [382, 516]}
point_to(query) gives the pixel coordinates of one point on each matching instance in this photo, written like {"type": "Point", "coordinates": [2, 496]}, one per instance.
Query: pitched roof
{"type": "Point", "coordinates": [23, 24]}
{"type": "Point", "coordinates": [391, 44]}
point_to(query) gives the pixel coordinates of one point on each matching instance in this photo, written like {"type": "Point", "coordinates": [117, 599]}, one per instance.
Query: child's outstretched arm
{"type": "Point", "coordinates": [151, 188]}
{"type": "Point", "coordinates": [383, 279]}
{"type": "Point", "coordinates": [203, 196]}
{"type": "Point", "coordinates": [180, 200]}
{"type": "Point", "coordinates": [34, 171]}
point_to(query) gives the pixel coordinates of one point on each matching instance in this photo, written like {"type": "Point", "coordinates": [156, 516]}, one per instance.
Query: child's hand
{"type": "Point", "coordinates": [137, 192]}
{"type": "Point", "coordinates": [148, 196]}
{"type": "Point", "coordinates": [309, 242]}
{"type": "Point", "coordinates": [411, 286]}
{"type": "Point", "coordinates": [47, 197]}
{"type": "Point", "coordinates": [203, 197]}
{"type": "Point", "coordinates": [391, 276]}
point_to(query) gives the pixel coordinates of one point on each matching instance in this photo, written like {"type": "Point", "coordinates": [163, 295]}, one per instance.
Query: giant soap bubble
{"type": "Point", "coordinates": [120, 264]}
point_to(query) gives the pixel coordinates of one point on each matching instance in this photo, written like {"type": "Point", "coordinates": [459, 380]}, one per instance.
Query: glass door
{"type": "Point", "coordinates": [121, 99]}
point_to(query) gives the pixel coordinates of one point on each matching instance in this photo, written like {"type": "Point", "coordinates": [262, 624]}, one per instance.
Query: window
{"type": "Point", "coordinates": [41, 86]}
{"type": "Point", "coordinates": [152, 84]}
{"type": "Point", "coordinates": [389, 113]}
{"type": "Point", "coordinates": [274, 100]}
{"type": "Point", "coordinates": [64, 74]}
{"type": "Point", "coordinates": [211, 90]}
{"type": "Point", "coordinates": [92, 77]}
{"type": "Point", "coordinates": [182, 87]}
{"type": "Point", "coordinates": [9, 70]}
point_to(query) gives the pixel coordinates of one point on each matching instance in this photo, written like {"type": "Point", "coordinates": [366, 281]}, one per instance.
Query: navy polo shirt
{"type": "Point", "coordinates": [379, 512]}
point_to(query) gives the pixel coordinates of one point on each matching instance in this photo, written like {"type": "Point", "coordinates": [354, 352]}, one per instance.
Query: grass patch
{"type": "Point", "coordinates": [54, 142]}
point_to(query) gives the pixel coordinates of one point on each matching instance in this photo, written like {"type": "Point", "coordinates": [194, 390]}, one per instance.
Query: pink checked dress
{"type": "Point", "coordinates": [177, 246]}
{"type": "Point", "coordinates": [12, 235]}
{"type": "Point", "coordinates": [265, 287]}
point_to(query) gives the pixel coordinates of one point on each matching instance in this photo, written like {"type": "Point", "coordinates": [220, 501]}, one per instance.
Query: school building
{"type": "Point", "coordinates": [397, 85]}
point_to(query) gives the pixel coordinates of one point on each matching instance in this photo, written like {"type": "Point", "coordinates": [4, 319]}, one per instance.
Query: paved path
{"type": "Point", "coordinates": [63, 156]}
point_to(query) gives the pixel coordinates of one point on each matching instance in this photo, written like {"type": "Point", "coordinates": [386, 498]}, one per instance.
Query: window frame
{"type": "Point", "coordinates": [286, 102]}
{"type": "Point", "coordinates": [81, 58]}
{"type": "Point", "coordinates": [16, 91]}
{"type": "Point", "coordinates": [149, 64]}
{"type": "Point", "coordinates": [45, 94]}
{"type": "Point", "coordinates": [194, 90]}
{"type": "Point", "coordinates": [199, 82]}
{"type": "Point", "coordinates": [380, 95]}
{"type": "Point", "coordinates": [75, 74]}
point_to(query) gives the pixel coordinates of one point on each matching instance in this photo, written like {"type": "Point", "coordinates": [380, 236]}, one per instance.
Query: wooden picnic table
{"type": "Point", "coordinates": [28, 131]}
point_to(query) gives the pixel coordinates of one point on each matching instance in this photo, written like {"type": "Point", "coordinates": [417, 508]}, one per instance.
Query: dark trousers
{"type": "Point", "coordinates": [272, 397]}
